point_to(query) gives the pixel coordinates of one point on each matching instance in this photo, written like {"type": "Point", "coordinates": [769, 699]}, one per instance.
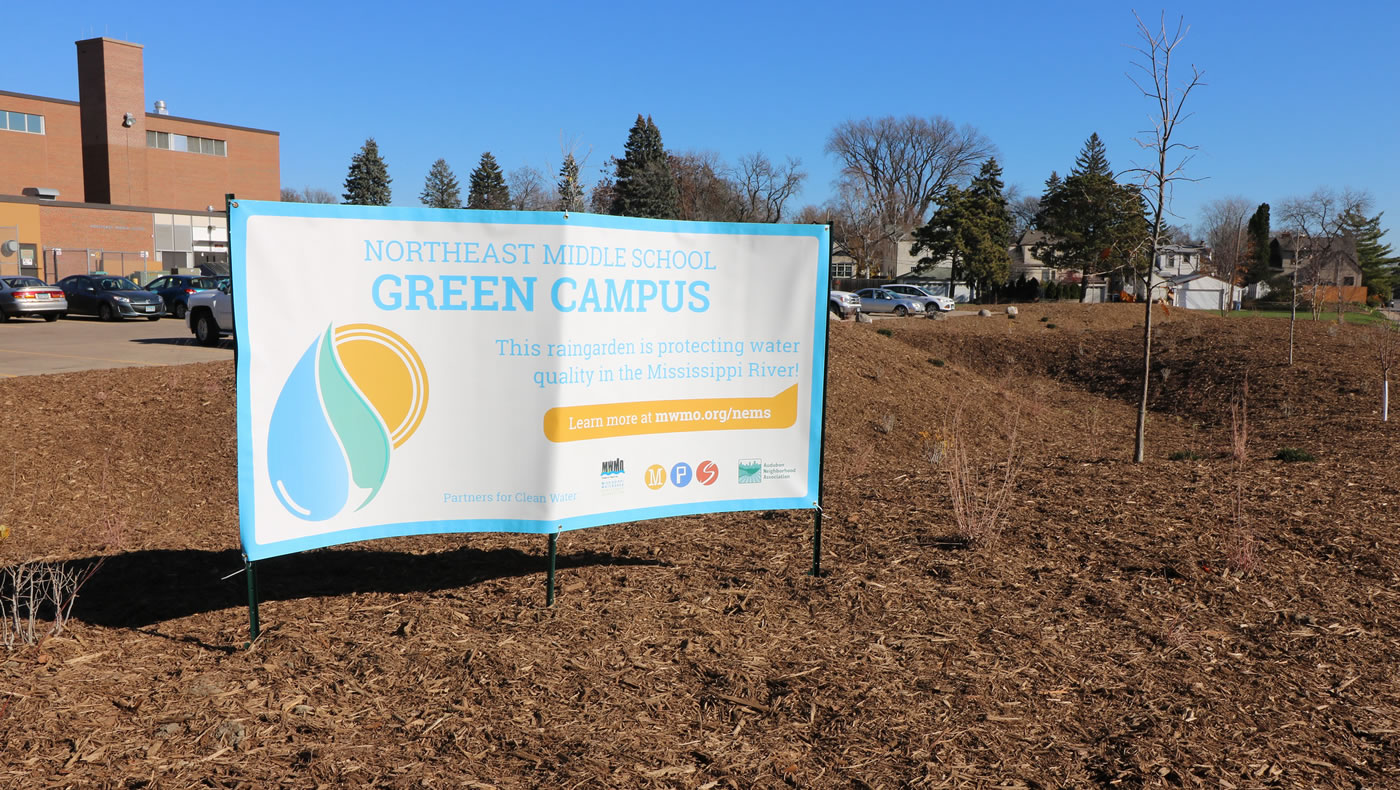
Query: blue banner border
{"type": "Point", "coordinates": [240, 211]}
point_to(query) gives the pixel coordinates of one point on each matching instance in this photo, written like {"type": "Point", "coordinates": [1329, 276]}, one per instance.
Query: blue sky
{"type": "Point", "coordinates": [1298, 95]}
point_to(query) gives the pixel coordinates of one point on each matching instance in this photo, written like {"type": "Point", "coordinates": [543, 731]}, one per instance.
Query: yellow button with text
{"type": "Point", "coordinates": [604, 420]}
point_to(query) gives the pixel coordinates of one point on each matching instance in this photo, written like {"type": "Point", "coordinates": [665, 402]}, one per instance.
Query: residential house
{"type": "Point", "coordinates": [1326, 268]}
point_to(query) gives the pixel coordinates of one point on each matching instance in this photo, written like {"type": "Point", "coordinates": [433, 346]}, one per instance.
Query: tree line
{"type": "Point", "coordinates": [924, 182]}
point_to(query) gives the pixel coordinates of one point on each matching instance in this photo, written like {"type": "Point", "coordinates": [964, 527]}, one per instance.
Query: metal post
{"type": "Point", "coordinates": [251, 570]}
{"type": "Point", "coordinates": [549, 580]}
{"type": "Point", "coordinates": [821, 430]}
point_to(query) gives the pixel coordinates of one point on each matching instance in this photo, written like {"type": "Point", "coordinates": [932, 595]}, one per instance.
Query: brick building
{"type": "Point", "coordinates": [104, 184]}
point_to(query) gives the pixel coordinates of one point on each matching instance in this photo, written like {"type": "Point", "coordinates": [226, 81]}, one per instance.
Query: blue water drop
{"type": "Point", "coordinates": [307, 468]}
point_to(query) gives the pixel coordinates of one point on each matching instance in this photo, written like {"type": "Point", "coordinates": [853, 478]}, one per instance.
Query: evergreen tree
{"type": "Point", "coordinates": [972, 230]}
{"type": "Point", "coordinates": [440, 188]}
{"type": "Point", "coordinates": [570, 190]}
{"type": "Point", "coordinates": [1258, 233]}
{"type": "Point", "coordinates": [644, 185]}
{"type": "Point", "coordinates": [1377, 261]}
{"type": "Point", "coordinates": [488, 186]}
{"type": "Point", "coordinates": [367, 183]}
{"type": "Point", "coordinates": [1092, 223]}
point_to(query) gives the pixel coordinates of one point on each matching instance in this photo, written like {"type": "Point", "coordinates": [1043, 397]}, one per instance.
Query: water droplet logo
{"type": "Point", "coordinates": [358, 393]}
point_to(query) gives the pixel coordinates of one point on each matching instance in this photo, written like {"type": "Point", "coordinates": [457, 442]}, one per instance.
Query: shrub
{"type": "Point", "coordinates": [1049, 326]}
{"type": "Point", "coordinates": [1293, 455]}
{"type": "Point", "coordinates": [1185, 455]}
{"type": "Point", "coordinates": [938, 363]}
{"type": "Point", "coordinates": [1044, 318]}
{"type": "Point", "coordinates": [886, 424]}
{"type": "Point", "coordinates": [885, 332]}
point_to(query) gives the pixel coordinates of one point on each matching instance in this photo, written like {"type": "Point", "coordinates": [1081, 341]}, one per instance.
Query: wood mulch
{"type": "Point", "coordinates": [1103, 639]}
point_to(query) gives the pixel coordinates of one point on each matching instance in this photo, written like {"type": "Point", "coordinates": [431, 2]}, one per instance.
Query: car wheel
{"type": "Point", "coordinates": [900, 310]}
{"type": "Point", "coordinates": [106, 313]}
{"type": "Point", "coordinates": [4, 316]}
{"type": "Point", "coordinates": [51, 316]}
{"type": "Point", "coordinates": [205, 330]}
{"type": "Point", "coordinates": [179, 311]}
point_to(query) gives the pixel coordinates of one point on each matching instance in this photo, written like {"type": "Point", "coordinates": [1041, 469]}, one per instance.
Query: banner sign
{"type": "Point", "coordinates": [408, 371]}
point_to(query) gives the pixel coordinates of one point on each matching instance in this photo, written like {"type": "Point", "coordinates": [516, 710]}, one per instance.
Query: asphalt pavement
{"type": "Point", "coordinates": [33, 346]}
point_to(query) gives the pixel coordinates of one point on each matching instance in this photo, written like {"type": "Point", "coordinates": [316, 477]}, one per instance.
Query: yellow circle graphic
{"type": "Point", "coordinates": [656, 476]}
{"type": "Point", "coordinates": [390, 374]}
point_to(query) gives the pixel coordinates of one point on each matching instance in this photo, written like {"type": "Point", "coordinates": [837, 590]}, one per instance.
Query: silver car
{"type": "Point", "coordinates": [30, 296]}
{"type": "Point", "coordinates": [844, 304]}
{"type": "Point", "coordinates": [879, 300]}
{"type": "Point", "coordinates": [929, 299]}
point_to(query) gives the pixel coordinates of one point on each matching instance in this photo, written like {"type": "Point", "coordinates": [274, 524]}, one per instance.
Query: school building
{"type": "Point", "coordinates": [105, 184]}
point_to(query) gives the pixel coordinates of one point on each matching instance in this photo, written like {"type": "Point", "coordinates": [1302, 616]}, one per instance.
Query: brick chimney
{"type": "Point", "coordinates": [112, 104]}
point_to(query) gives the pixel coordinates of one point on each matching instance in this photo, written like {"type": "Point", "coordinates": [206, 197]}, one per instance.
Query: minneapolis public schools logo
{"type": "Point", "coordinates": [751, 470]}
{"type": "Point", "coordinates": [358, 393]}
{"type": "Point", "coordinates": [613, 476]}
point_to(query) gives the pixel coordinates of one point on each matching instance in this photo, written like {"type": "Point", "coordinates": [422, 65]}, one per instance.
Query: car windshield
{"type": "Point", "coordinates": [24, 282]}
{"type": "Point", "coordinates": [116, 284]}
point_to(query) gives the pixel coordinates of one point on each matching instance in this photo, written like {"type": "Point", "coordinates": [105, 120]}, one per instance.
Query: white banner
{"type": "Point", "coordinates": [409, 371]}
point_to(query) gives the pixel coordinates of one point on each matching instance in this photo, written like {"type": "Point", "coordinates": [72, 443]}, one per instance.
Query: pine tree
{"type": "Point", "coordinates": [440, 188]}
{"type": "Point", "coordinates": [367, 183]}
{"type": "Point", "coordinates": [1258, 234]}
{"type": "Point", "coordinates": [488, 186]}
{"type": "Point", "coordinates": [1092, 223]}
{"type": "Point", "coordinates": [1377, 261]}
{"type": "Point", "coordinates": [644, 185]}
{"type": "Point", "coordinates": [972, 230]}
{"type": "Point", "coordinates": [570, 190]}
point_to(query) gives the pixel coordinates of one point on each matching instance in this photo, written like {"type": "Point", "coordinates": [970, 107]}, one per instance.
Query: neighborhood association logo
{"type": "Point", "coordinates": [751, 470]}
{"type": "Point", "coordinates": [357, 394]}
{"type": "Point", "coordinates": [681, 474]}
{"type": "Point", "coordinates": [612, 477]}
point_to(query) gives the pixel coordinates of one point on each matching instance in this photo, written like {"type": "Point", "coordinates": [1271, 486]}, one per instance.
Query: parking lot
{"type": "Point", "coordinates": [31, 346]}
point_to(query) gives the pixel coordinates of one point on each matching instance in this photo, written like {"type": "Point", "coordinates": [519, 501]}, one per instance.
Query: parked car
{"type": "Point", "coordinates": [879, 300]}
{"type": "Point", "coordinates": [940, 303]}
{"type": "Point", "coordinates": [110, 298]}
{"type": "Point", "coordinates": [30, 296]}
{"type": "Point", "coordinates": [175, 290]}
{"type": "Point", "coordinates": [211, 314]}
{"type": "Point", "coordinates": [844, 304]}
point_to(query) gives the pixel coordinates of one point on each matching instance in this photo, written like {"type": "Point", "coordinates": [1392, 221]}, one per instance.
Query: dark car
{"type": "Point", "coordinates": [175, 290]}
{"type": "Point", "coordinates": [30, 296]}
{"type": "Point", "coordinates": [110, 298]}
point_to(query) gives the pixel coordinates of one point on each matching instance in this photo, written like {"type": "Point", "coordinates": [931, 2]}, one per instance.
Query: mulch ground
{"type": "Point", "coordinates": [1103, 638]}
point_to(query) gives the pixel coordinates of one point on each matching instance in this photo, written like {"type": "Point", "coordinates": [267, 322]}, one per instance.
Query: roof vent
{"type": "Point", "coordinates": [160, 107]}
{"type": "Point", "coordinates": [43, 193]}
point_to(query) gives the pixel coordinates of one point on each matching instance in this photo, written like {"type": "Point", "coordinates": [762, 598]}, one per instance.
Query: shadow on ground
{"type": "Point", "coordinates": [142, 588]}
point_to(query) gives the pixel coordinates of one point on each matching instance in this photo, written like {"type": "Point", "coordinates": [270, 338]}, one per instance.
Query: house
{"type": "Point", "coordinates": [1175, 260]}
{"type": "Point", "coordinates": [1199, 291]}
{"type": "Point", "coordinates": [1024, 262]}
{"type": "Point", "coordinates": [1325, 268]}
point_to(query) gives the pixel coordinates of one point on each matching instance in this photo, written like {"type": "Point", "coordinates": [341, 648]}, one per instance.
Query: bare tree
{"type": "Point", "coordinates": [1383, 340]}
{"type": "Point", "coordinates": [763, 188]}
{"type": "Point", "coordinates": [530, 190]}
{"type": "Point", "coordinates": [705, 194]}
{"type": "Point", "coordinates": [1224, 222]}
{"type": "Point", "coordinates": [308, 195]}
{"type": "Point", "coordinates": [894, 169]}
{"type": "Point", "coordinates": [1023, 209]}
{"type": "Point", "coordinates": [1321, 244]}
{"type": "Point", "coordinates": [1168, 100]}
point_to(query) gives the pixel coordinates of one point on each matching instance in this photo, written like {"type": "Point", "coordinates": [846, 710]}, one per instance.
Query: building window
{"type": "Point", "coordinates": [184, 142]}
{"type": "Point", "coordinates": [843, 270]}
{"type": "Point", "coordinates": [21, 122]}
{"type": "Point", "coordinates": [1348, 281]}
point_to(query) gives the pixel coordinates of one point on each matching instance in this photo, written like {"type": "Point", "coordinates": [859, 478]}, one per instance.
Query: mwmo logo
{"type": "Point", "coordinates": [358, 393]}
